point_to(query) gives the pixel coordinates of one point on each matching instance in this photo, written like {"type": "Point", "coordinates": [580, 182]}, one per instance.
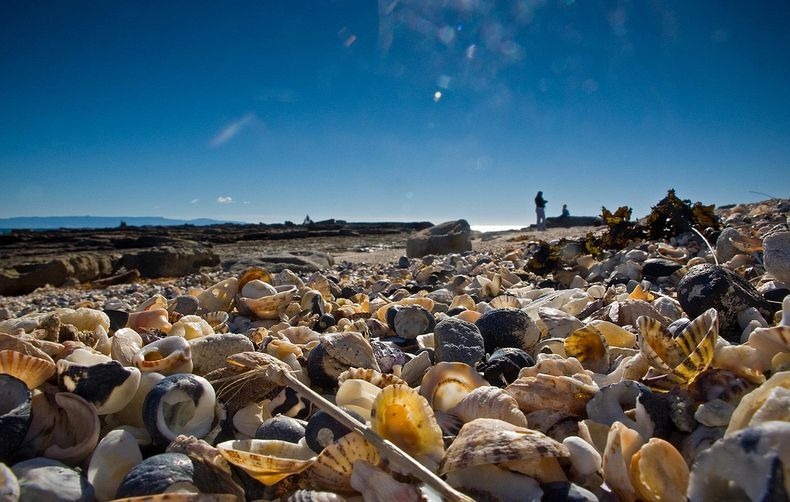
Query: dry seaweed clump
{"type": "Point", "coordinates": [673, 216]}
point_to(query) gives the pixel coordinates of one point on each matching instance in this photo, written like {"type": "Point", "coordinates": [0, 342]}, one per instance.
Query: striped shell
{"type": "Point", "coordinates": [684, 357]}
{"type": "Point", "coordinates": [32, 370]}
{"type": "Point", "coordinates": [589, 346]}
{"type": "Point", "coordinates": [489, 441]}
{"type": "Point", "coordinates": [489, 402]}
{"type": "Point", "coordinates": [267, 460]}
{"type": "Point", "coordinates": [404, 417]}
{"type": "Point", "coordinates": [333, 467]}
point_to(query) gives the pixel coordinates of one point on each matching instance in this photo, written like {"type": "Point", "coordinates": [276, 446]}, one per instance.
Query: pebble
{"type": "Point", "coordinates": [456, 340]}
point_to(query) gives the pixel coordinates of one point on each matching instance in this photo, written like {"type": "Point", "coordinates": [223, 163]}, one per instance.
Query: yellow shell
{"type": "Point", "coordinates": [684, 357]}
{"type": "Point", "coordinates": [490, 441]}
{"type": "Point", "coordinates": [589, 346]}
{"type": "Point", "coordinates": [404, 417]}
{"type": "Point", "coordinates": [32, 370]}
{"type": "Point", "coordinates": [333, 467]}
{"type": "Point", "coordinates": [445, 384]}
{"type": "Point", "coordinates": [658, 472]}
{"type": "Point", "coordinates": [268, 461]}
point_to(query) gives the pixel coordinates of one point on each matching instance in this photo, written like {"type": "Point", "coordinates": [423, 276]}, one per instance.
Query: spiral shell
{"type": "Point", "coordinates": [489, 402]}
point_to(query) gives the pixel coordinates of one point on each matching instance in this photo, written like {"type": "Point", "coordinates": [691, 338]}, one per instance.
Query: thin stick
{"type": "Point", "coordinates": [386, 448]}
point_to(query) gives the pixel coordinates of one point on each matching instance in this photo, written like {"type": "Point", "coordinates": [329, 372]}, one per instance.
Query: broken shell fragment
{"type": "Point", "coordinates": [375, 484]}
{"type": "Point", "coordinates": [268, 461]}
{"type": "Point", "coordinates": [334, 467]}
{"type": "Point", "coordinates": [445, 384]}
{"type": "Point", "coordinates": [167, 356]}
{"type": "Point", "coordinates": [15, 414]}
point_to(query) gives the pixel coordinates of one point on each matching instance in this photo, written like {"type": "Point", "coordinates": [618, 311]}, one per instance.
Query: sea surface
{"type": "Point", "coordinates": [495, 228]}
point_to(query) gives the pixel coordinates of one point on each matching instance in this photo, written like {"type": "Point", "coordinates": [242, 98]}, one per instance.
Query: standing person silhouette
{"type": "Point", "coordinates": [540, 210]}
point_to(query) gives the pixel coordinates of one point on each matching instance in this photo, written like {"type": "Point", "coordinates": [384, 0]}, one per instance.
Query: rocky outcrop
{"type": "Point", "coordinates": [171, 261]}
{"type": "Point", "coordinates": [448, 237]}
{"type": "Point", "coordinates": [297, 261]}
{"type": "Point", "coordinates": [26, 277]}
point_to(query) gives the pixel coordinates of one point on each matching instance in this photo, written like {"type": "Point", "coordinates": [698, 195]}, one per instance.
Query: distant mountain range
{"type": "Point", "coordinates": [54, 222]}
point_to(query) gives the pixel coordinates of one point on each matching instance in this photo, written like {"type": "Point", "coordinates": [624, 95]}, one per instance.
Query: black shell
{"type": "Point", "coordinates": [97, 383]}
{"type": "Point", "coordinates": [507, 327]}
{"type": "Point", "coordinates": [288, 402]}
{"type": "Point", "coordinates": [193, 394]}
{"type": "Point", "coordinates": [322, 368]}
{"type": "Point", "coordinates": [322, 430]}
{"type": "Point", "coordinates": [503, 366]}
{"type": "Point", "coordinates": [282, 428]}
{"type": "Point", "coordinates": [156, 474]}
{"type": "Point", "coordinates": [15, 414]}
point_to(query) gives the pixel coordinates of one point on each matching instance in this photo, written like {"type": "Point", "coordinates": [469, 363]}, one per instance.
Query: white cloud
{"type": "Point", "coordinates": [194, 201]}
{"type": "Point", "coordinates": [231, 130]}
{"type": "Point", "coordinates": [224, 200]}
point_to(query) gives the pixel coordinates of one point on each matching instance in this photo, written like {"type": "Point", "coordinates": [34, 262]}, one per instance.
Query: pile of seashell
{"type": "Point", "coordinates": [601, 387]}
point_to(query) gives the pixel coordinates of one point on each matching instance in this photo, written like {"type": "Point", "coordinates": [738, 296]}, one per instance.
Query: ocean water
{"type": "Point", "coordinates": [496, 228]}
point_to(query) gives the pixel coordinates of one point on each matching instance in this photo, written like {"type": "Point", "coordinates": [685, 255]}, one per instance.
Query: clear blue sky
{"type": "Point", "coordinates": [268, 110]}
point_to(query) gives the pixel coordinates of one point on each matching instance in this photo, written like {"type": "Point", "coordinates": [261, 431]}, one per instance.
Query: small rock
{"type": "Point", "coordinates": [777, 255]}
{"type": "Point", "coordinates": [209, 352]}
{"type": "Point", "coordinates": [403, 262]}
{"type": "Point", "coordinates": [725, 250]}
{"type": "Point", "coordinates": [457, 340]}
{"type": "Point", "coordinates": [449, 237]}
{"type": "Point", "coordinates": [186, 305]}
{"type": "Point", "coordinates": [508, 327]}
{"type": "Point", "coordinates": [46, 480]}
{"type": "Point", "coordinates": [659, 267]}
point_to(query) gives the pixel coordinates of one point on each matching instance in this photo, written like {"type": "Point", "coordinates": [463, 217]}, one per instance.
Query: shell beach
{"type": "Point", "coordinates": [633, 361]}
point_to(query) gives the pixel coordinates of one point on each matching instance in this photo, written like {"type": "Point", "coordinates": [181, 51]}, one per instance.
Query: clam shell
{"type": "Point", "coordinates": [566, 394]}
{"type": "Point", "coordinates": [32, 370]}
{"type": "Point", "coordinates": [267, 460]}
{"type": "Point", "coordinates": [658, 472]}
{"type": "Point", "coordinates": [15, 414]}
{"type": "Point", "coordinates": [445, 384]}
{"type": "Point", "coordinates": [490, 441]}
{"type": "Point", "coordinates": [489, 402]}
{"type": "Point", "coordinates": [220, 296]}
{"type": "Point", "coordinates": [684, 357]}
{"type": "Point", "coordinates": [404, 417]}
{"type": "Point", "coordinates": [333, 468]}
{"type": "Point", "coordinates": [589, 346]}
{"type": "Point", "coordinates": [621, 444]}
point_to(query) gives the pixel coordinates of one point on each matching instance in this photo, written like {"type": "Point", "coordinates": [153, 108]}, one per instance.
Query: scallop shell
{"type": "Point", "coordinates": [567, 394]}
{"type": "Point", "coordinates": [266, 307]}
{"type": "Point", "coordinates": [267, 460]}
{"type": "Point", "coordinates": [445, 384]}
{"type": "Point", "coordinates": [684, 357]}
{"type": "Point", "coordinates": [404, 417]}
{"type": "Point", "coordinates": [489, 441]}
{"type": "Point", "coordinates": [218, 320]}
{"type": "Point", "coordinates": [489, 402]}
{"type": "Point", "coordinates": [378, 379]}
{"type": "Point", "coordinates": [504, 301]}
{"type": "Point", "coordinates": [333, 468]}
{"type": "Point", "coordinates": [589, 346]}
{"type": "Point", "coordinates": [32, 370]}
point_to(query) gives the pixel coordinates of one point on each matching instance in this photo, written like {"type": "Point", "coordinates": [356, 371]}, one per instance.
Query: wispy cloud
{"type": "Point", "coordinates": [232, 130]}
{"type": "Point", "coordinates": [194, 201]}
{"type": "Point", "coordinates": [224, 200]}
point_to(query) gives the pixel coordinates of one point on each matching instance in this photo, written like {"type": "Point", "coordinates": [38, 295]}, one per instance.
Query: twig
{"type": "Point", "coordinates": [712, 251]}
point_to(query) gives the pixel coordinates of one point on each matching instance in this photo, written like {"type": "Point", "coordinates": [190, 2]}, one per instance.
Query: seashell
{"type": "Point", "coordinates": [109, 386]}
{"type": "Point", "coordinates": [322, 430]}
{"type": "Point", "coordinates": [313, 301]}
{"type": "Point", "coordinates": [209, 353]}
{"type": "Point", "coordinates": [113, 458]}
{"type": "Point", "coordinates": [668, 252]}
{"type": "Point", "coordinates": [217, 320]}
{"type": "Point", "coordinates": [336, 353]}
{"type": "Point", "coordinates": [125, 343]}
{"type": "Point", "coordinates": [213, 473]}
{"type": "Point", "coordinates": [388, 355]}
{"type": "Point", "coordinates": [245, 380]}
{"type": "Point", "coordinates": [445, 384]}
{"type": "Point", "coordinates": [404, 417]}
{"type": "Point", "coordinates": [281, 428]}
{"type": "Point", "coordinates": [567, 394]}
{"type": "Point", "coordinates": [84, 319]}
{"type": "Point", "coordinates": [623, 313]}
{"type": "Point", "coordinates": [508, 328]}
{"type": "Point", "coordinates": [504, 302]}
{"type": "Point", "coordinates": [179, 404]}
{"type": "Point", "coordinates": [26, 346]}
{"type": "Point", "coordinates": [168, 356]}
{"type": "Point", "coordinates": [615, 335]}
{"type": "Point", "coordinates": [658, 472]}
{"type": "Point", "coordinates": [334, 467]}
{"type": "Point", "coordinates": [489, 441]}
{"type": "Point", "coordinates": [372, 376]}
{"type": "Point", "coordinates": [589, 346]}
{"type": "Point", "coordinates": [489, 402]}
{"type": "Point", "coordinates": [414, 370]}
{"type": "Point", "coordinates": [621, 445]}
{"type": "Point", "coordinates": [220, 296]}
{"type": "Point", "coordinates": [9, 484]}
{"type": "Point", "coordinates": [504, 365]}
{"type": "Point", "coordinates": [15, 414]}
{"type": "Point", "coordinates": [314, 496]}
{"type": "Point", "coordinates": [34, 371]}
{"type": "Point", "coordinates": [698, 441]}
{"type": "Point", "coordinates": [609, 404]}
{"type": "Point", "coordinates": [157, 474]}
{"type": "Point", "coordinates": [266, 460]}
{"type": "Point", "coordinates": [749, 464]}
{"type": "Point", "coordinates": [132, 413]}
{"type": "Point", "coordinates": [148, 320]}
{"type": "Point", "coordinates": [248, 419]}
{"type": "Point", "coordinates": [268, 305]}
{"type": "Point", "coordinates": [190, 327]}
{"type": "Point", "coordinates": [408, 321]}
{"type": "Point", "coordinates": [375, 484]}
{"type": "Point", "coordinates": [684, 357]}
{"type": "Point", "coordinates": [490, 482]}
{"type": "Point", "coordinates": [558, 323]}
{"type": "Point", "coordinates": [752, 403]}
{"type": "Point", "coordinates": [47, 479]}
{"type": "Point", "coordinates": [584, 458]}
{"type": "Point", "coordinates": [358, 396]}
{"type": "Point", "coordinates": [65, 427]}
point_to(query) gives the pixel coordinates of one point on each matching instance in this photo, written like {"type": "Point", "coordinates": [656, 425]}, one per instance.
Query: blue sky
{"type": "Point", "coordinates": [391, 110]}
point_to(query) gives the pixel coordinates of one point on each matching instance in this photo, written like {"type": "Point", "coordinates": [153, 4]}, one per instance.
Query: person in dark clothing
{"type": "Point", "coordinates": [540, 210]}
{"type": "Point", "coordinates": [565, 212]}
